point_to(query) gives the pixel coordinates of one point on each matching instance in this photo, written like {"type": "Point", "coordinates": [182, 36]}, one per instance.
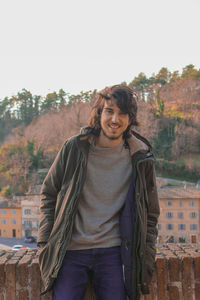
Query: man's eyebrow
{"type": "Point", "coordinates": [108, 108]}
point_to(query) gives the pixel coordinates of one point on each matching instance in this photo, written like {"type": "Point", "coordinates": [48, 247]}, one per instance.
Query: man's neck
{"type": "Point", "coordinates": [103, 141]}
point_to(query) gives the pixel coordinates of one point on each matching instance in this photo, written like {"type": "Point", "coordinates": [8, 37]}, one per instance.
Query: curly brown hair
{"type": "Point", "coordinates": [125, 99]}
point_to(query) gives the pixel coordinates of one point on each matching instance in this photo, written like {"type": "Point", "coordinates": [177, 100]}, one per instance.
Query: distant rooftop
{"type": "Point", "coordinates": [9, 204]}
{"type": "Point", "coordinates": [178, 192]}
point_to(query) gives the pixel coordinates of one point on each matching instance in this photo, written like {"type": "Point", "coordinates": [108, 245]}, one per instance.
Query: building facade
{"type": "Point", "coordinates": [30, 212]}
{"type": "Point", "coordinates": [10, 220]}
{"type": "Point", "coordinates": [179, 219]}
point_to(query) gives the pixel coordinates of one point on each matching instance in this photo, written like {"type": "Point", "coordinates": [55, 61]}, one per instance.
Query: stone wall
{"type": "Point", "coordinates": [177, 275]}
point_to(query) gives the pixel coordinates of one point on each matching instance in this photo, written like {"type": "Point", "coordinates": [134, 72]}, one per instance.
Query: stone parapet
{"type": "Point", "coordinates": [176, 277]}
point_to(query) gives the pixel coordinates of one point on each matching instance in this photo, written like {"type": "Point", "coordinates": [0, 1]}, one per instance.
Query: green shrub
{"type": "Point", "coordinates": [177, 169]}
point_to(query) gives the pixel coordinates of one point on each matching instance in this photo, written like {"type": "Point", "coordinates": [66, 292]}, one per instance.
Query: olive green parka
{"type": "Point", "coordinates": [61, 191]}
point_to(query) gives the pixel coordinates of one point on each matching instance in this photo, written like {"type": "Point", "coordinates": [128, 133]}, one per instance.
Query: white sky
{"type": "Point", "coordinates": [79, 45]}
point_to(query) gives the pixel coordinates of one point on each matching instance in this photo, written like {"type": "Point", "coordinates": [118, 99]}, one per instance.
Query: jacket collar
{"type": "Point", "coordinates": [136, 144]}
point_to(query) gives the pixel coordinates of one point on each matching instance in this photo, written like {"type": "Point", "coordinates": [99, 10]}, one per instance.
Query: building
{"type": "Point", "coordinates": [30, 212]}
{"type": "Point", "coordinates": [10, 219]}
{"type": "Point", "coordinates": [179, 219]}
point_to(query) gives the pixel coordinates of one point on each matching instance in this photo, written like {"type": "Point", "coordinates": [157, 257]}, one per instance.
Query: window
{"type": "Point", "coordinates": [2, 211]}
{"type": "Point", "coordinates": [169, 203]}
{"type": "Point", "coordinates": [181, 226]}
{"type": "Point", "coordinates": [13, 211]}
{"type": "Point", "coordinates": [28, 224]}
{"type": "Point", "coordinates": [169, 226]}
{"type": "Point", "coordinates": [181, 203]}
{"type": "Point", "coordinates": [35, 198]}
{"type": "Point", "coordinates": [193, 226]}
{"type": "Point", "coordinates": [169, 215]}
{"type": "Point", "coordinates": [192, 203]}
{"type": "Point", "coordinates": [193, 215]}
{"type": "Point", "coordinates": [14, 222]}
{"type": "Point", "coordinates": [159, 226]}
{"type": "Point", "coordinates": [27, 211]}
{"type": "Point", "coordinates": [3, 221]}
{"type": "Point", "coordinates": [180, 215]}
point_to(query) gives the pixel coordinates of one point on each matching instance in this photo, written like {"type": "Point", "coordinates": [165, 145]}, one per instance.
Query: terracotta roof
{"type": "Point", "coordinates": [172, 193]}
{"type": "Point", "coordinates": [9, 204]}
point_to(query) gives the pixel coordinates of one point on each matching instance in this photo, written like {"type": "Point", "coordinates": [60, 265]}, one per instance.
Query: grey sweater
{"type": "Point", "coordinates": [107, 180]}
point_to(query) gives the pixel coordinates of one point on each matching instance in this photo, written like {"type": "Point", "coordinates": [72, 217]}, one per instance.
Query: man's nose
{"type": "Point", "coordinates": [115, 118]}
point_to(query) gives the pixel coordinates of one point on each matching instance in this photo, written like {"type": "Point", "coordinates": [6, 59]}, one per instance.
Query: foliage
{"type": "Point", "coordinates": [163, 76]}
{"type": "Point", "coordinates": [16, 162]}
{"type": "Point", "coordinates": [35, 154]}
{"type": "Point", "coordinates": [162, 144]}
{"type": "Point", "coordinates": [177, 169]}
{"type": "Point", "coordinates": [173, 113]}
{"type": "Point", "coordinates": [160, 104]}
{"type": "Point", "coordinates": [6, 191]}
{"type": "Point", "coordinates": [82, 97]}
{"type": "Point", "coordinates": [190, 72]}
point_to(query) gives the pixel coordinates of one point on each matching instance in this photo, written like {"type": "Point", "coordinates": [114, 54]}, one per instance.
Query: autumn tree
{"type": "Point", "coordinates": [148, 123]}
{"type": "Point", "coordinates": [5, 118]}
{"type": "Point", "coordinates": [139, 84]}
{"type": "Point", "coordinates": [23, 106]}
{"type": "Point", "coordinates": [187, 140]}
{"type": "Point", "coordinates": [62, 101]}
{"type": "Point", "coordinates": [14, 167]}
{"type": "Point", "coordinates": [163, 76]}
{"type": "Point", "coordinates": [174, 76]}
{"type": "Point", "coordinates": [82, 97]}
{"type": "Point", "coordinates": [189, 71]}
{"type": "Point", "coordinates": [58, 126]}
{"type": "Point", "coordinates": [50, 102]}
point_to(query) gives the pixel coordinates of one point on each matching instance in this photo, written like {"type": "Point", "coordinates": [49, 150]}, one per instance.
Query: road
{"type": "Point", "coordinates": [8, 243]}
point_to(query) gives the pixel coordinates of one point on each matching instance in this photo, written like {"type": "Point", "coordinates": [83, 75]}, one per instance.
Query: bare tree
{"type": "Point", "coordinates": [53, 128]}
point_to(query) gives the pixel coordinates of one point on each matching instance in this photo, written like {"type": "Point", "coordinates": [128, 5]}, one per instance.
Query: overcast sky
{"type": "Point", "coordinates": [86, 44]}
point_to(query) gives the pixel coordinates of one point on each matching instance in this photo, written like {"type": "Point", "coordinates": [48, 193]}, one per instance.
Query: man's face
{"type": "Point", "coordinates": [113, 122]}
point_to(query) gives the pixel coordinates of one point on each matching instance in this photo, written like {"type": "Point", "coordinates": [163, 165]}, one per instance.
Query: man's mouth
{"type": "Point", "coordinates": [114, 126]}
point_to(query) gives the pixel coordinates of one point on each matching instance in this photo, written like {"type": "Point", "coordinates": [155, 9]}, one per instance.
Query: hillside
{"type": "Point", "coordinates": [34, 127]}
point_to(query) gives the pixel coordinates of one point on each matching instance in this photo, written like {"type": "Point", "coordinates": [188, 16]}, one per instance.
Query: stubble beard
{"type": "Point", "coordinates": [111, 137]}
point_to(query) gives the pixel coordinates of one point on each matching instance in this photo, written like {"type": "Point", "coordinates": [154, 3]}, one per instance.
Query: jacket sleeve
{"type": "Point", "coordinates": [49, 191]}
{"type": "Point", "coordinates": [153, 212]}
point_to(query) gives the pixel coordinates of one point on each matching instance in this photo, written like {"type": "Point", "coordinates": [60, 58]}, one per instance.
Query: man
{"type": "Point", "coordinates": [99, 207]}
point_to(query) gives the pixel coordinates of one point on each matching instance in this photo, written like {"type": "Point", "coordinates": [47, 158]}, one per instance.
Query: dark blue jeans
{"type": "Point", "coordinates": [103, 265]}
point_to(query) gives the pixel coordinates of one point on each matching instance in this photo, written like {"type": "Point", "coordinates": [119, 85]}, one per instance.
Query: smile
{"type": "Point", "coordinates": [114, 126]}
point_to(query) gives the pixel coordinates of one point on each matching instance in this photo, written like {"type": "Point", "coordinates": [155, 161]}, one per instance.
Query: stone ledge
{"type": "Point", "coordinates": [176, 277]}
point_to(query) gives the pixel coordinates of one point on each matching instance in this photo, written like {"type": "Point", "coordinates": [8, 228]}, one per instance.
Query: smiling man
{"type": "Point", "coordinates": [99, 207]}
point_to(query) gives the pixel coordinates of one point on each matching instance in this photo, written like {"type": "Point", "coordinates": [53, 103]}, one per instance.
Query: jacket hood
{"type": "Point", "coordinates": [136, 142]}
